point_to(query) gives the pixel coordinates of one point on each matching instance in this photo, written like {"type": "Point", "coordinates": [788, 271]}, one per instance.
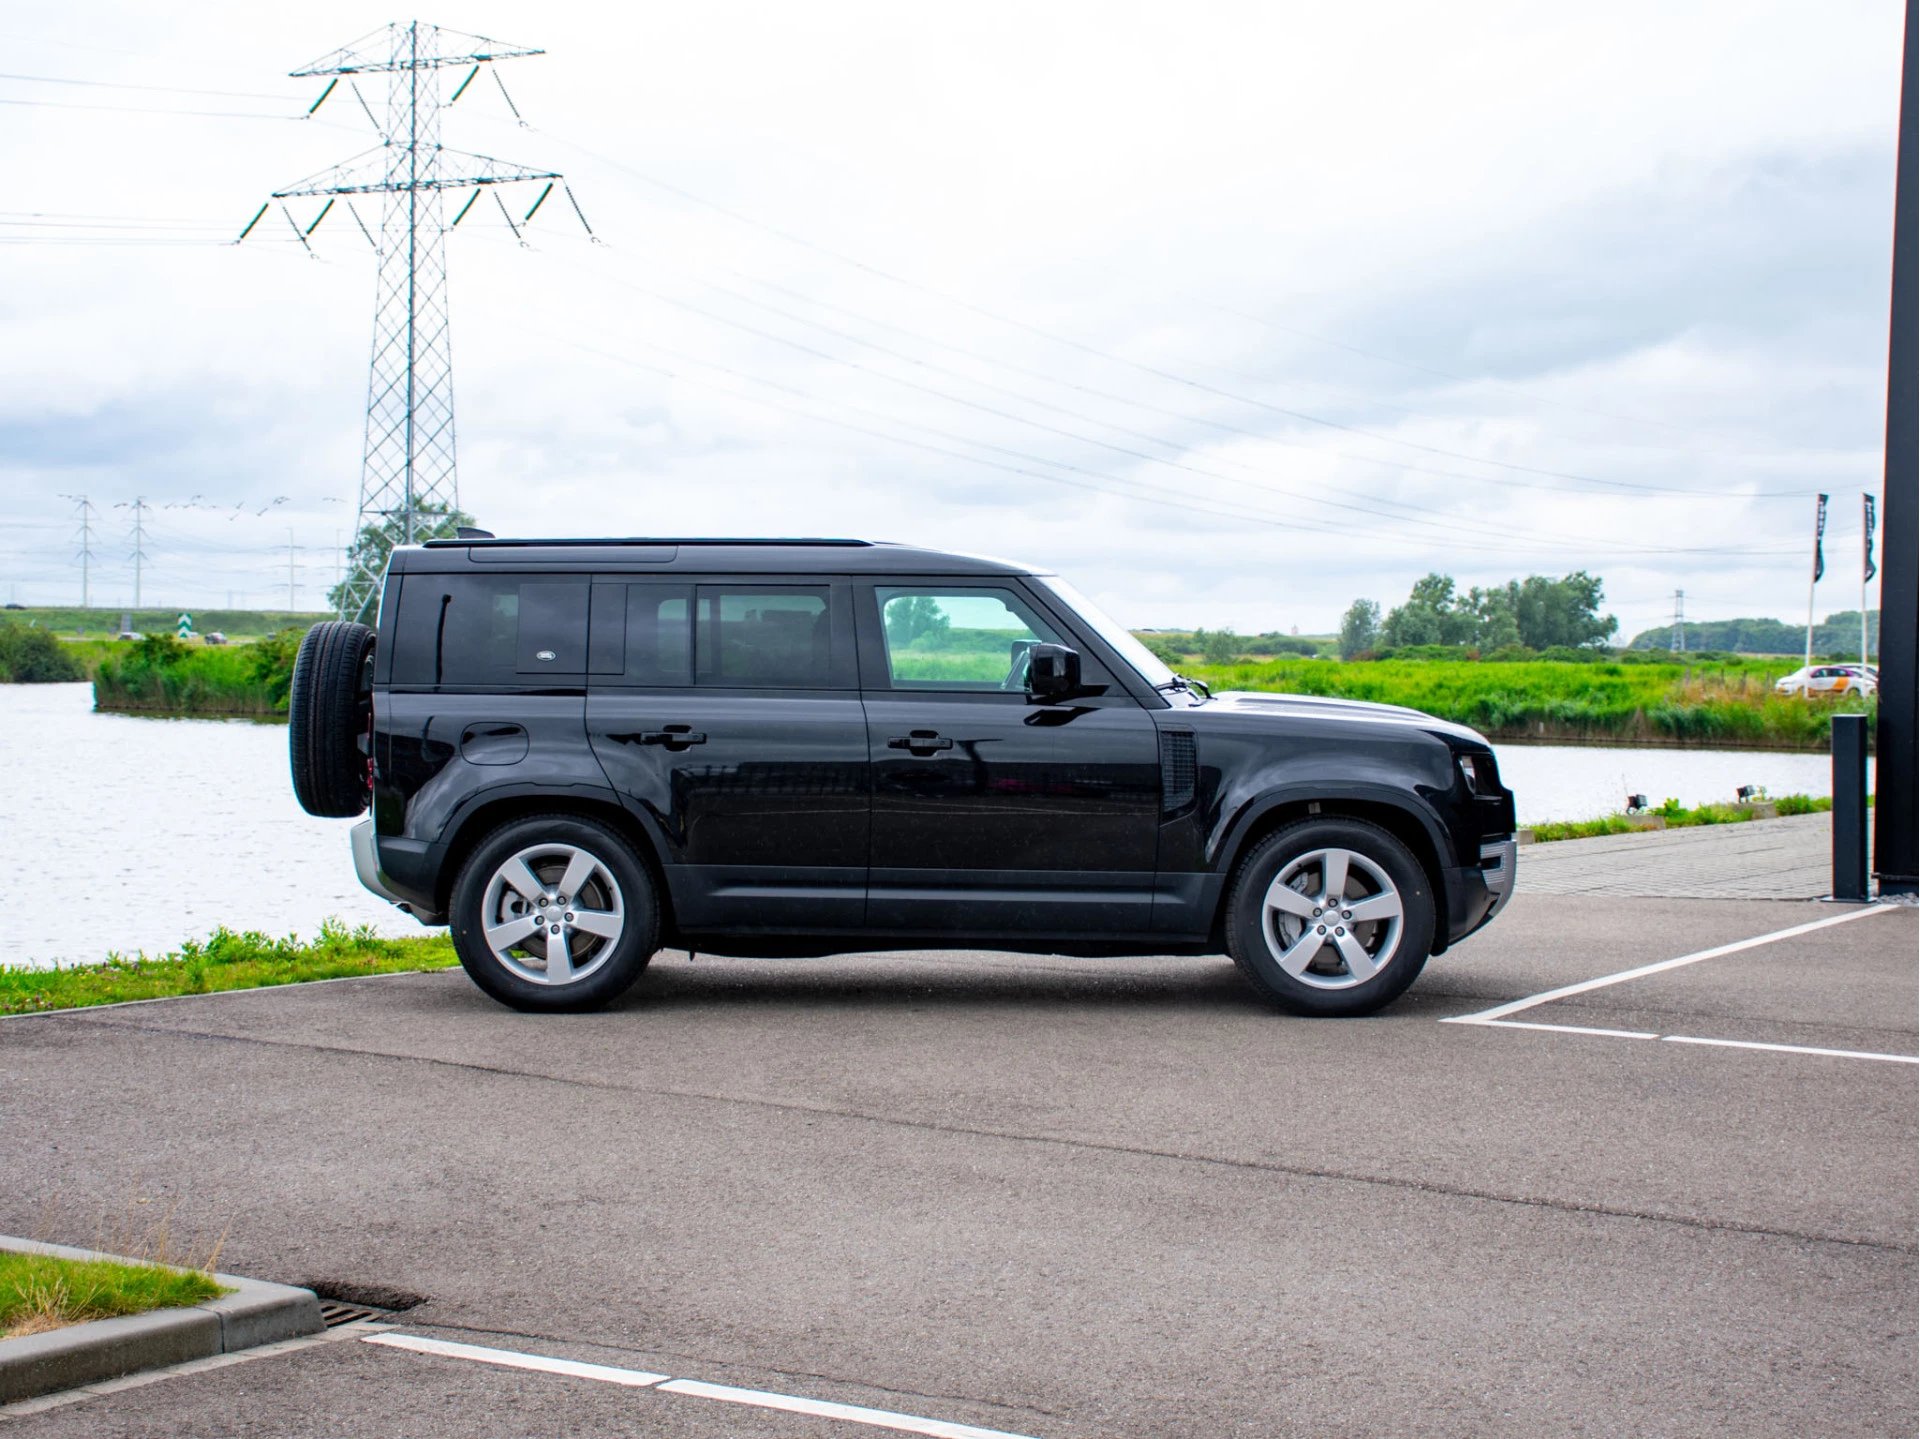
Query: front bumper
{"type": "Point", "coordinates": [366, 864]}
{"type": "Point", "coordinates": [1478, 892]}
{"type": "Point", "coordinates": [1499, 863]}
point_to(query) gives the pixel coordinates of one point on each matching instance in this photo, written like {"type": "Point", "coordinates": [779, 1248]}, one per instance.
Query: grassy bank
{"type": "Point", "coordinates": [72, 622]}
{"type": "Point", "coordinates": [160, 675]}
{"type": "Point", "coordinates": [225, 961]}
{"type": "Point", "coordinates": [1674, 815]}
{"type": "Point", "coordinates": [1727, 703]}
{"type": "Point", "coordinates": [39, 1292]}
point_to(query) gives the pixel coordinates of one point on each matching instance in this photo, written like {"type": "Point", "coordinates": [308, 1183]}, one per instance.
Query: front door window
{"type": "Point", "coordinates": [962, 640]}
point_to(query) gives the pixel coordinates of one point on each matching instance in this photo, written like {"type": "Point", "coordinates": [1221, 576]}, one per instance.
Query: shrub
{"type": "Point", "coordinates": [33, 656]}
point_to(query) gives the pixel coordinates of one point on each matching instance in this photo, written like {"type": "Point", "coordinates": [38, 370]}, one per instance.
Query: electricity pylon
{"type": "Point", "coordinates": [408, 480]}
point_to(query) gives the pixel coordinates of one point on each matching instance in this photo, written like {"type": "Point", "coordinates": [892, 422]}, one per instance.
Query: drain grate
{"type": "Point", "coordinates": [334, 1315]}
{"type": "Point", "coordinates": [345, 1302]}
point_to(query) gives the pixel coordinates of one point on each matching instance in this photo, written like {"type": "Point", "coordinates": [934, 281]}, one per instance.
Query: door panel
{"type": "Point", "coordinates": [992, 814]}
{"type": "Point", "coordinates": [1035, 819]}
{"type": "Point", "coordinates": [758, 787]}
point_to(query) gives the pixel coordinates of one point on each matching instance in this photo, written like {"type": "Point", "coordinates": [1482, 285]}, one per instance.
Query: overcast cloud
{"type": "Point", "coordinates": [1231, 313]}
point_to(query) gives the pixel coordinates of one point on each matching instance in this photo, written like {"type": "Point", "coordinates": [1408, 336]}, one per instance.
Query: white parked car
{"type": "Point", "coordinates": [1829, 680]}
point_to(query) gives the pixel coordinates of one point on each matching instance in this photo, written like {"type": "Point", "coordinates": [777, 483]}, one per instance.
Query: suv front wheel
{"type": "Point", "coordinates": [1330, 917]}
{"type": "Point", "coordinates": [554, 912]}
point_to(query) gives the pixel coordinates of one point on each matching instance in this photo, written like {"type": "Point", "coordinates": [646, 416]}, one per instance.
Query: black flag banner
{"type": "Point", "coordinates": [1872, 569]}
{"type": "Point", "coordinates": [1819, 533]}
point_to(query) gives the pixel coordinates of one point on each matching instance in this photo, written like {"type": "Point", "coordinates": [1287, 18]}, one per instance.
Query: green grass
{"type": "Point", "coordinates": [40, 1291]}
{"type": "Point", "coordinates": [224, 961]}
{"type": "Point", "coordinates": [160, 675]}
{"type": "Point", "coordinates": [1677, 816]}
{"type": "Point", "coordinates": [104, 622]}
{"type": "Point", "coordinates": [1725, 703]}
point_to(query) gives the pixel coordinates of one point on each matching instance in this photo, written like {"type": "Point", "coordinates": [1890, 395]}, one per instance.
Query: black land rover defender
{"type": "Point", "coordinates": [578, 751]}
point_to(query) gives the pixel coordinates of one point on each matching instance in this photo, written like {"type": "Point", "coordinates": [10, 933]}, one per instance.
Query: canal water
{"type": "Point", "coordinates": [126, 834]}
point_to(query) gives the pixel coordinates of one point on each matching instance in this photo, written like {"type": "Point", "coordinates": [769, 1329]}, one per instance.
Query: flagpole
{"type": "Point", "coordinates": [1866, 568]}
{"type": "Point", "coordinates": [1813, 576]}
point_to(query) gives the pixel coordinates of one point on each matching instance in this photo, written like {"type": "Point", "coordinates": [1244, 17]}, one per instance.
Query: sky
{"type": "Point", "coordinates": [1231, 313]}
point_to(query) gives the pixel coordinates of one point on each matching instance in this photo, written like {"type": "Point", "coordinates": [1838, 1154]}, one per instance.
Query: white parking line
{"type": "Point", "coordinates": [513, 1359]}
{"type": "Point", "coordinates": [1793, 1049]}
{"type": "Point", "coordinates": [692, 1388]}
{"type": "Point", "coordinates": [1501, 1011]}
{"type": "Point", "coordinates": [852, 1413]}
{"type": "Point", "coordinates": [1496, 1018]}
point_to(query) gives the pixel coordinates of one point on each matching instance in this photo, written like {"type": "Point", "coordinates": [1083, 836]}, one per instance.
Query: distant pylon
{"type": "Point", "coordinates": [408, 480]}
{"type": "Point", "coordinates": [1679, 645]}
{"type": "Point", "coordinates": [84, 508]}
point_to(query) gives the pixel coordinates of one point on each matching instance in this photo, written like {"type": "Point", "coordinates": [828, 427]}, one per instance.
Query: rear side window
{"type": "Point", "coordinates": [764, 637]}
{"type": "Point", "coordinates": [496, 631]}
{"type": "Point", "coordinates": [658, 634]}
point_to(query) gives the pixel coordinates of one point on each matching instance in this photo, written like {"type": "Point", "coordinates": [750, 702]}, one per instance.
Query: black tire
{"type": "Point", "coordinates": [1330, 982]}
{"type": "Point", "coordinates": [328, 708]}
{"type": "Point", "coordinates": [619, 885]}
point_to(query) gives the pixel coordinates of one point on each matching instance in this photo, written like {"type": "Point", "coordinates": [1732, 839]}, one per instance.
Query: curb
{"type": "Point", "coordinates": [255, 1313]}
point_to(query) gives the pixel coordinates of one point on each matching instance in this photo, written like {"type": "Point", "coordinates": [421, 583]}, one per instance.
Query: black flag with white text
{"type": "Point", "coordinates": [1819, 533]}
{"type": "Point", "coordinates": [1872, 569]}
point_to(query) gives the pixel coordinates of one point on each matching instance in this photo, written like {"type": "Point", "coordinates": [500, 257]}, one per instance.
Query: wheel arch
{"type": "Point", "coordinates": [487, 813]}
{"type": "Point", "coordinates": [1421, 833]}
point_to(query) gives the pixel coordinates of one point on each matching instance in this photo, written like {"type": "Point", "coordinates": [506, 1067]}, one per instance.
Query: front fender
{"type": "Point", "coordinates": [1225, 838]}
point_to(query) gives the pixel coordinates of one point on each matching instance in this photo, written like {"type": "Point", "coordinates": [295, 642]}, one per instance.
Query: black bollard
{"type": "Point", "coordinates": [1850, 807]}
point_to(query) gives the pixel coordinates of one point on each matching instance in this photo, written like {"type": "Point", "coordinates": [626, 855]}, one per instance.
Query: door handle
{"type": "Point", "coordinates": [674, 736]}
{"type": "Point", "coordinates": [920, 742]}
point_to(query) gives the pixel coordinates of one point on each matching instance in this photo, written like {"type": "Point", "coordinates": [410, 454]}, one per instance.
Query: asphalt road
{"type": "Point", "coordinates": [1054, 1197]}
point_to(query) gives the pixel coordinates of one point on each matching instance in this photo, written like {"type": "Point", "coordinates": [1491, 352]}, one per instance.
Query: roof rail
{"type": "Point", "coordinates": [492, 541]}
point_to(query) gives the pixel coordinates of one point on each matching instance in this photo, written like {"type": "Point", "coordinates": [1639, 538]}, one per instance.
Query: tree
{"type": "Point", "coordinates": [912, 618]}
{"type": "Point", "coordinates": [1359, 628]}
{"type": "Point", "coordinates": [1494, 622]}
{"type": "Point", "coordinates": [376, 542]}
{"type": "Point", "coordinates": [1537, 612]}
{"type": "Point", "coordinates": [1565, 611]}
{"type": "Point", "coordinates": [1431, 616]}
{"type": "Point", "coordinates": [1217, 647]}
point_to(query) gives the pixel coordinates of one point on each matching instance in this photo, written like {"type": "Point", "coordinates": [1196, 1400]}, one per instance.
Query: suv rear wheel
{"type": "Point", "coordinates": [1330, 917]}
{"type": "Point", "coordinates": [554, 912]}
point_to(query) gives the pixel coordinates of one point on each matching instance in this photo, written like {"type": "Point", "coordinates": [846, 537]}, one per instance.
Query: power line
{"type": "Point", "coordinates": [1080, 346]}
{"type": "Point", "coordinates": [1474, 531]}
{"type": "Point", "coordinates": [158, 89]}
{"type": "Point", "coordinates": [1450, 374]}
{"type": "Point", "coordinates": [1143, 491]}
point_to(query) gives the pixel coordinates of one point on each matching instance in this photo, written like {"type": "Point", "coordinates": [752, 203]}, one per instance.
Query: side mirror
{"type": "Point", "coordinates": [1053, 673]}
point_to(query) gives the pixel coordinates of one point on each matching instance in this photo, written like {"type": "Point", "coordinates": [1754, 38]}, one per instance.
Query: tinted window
{"type": "Point", "coordinates": [955, 639]}
{"type": "Point", "coordinates": [764, 636]}
{"type": "Point", "coordinates": [492, 630]}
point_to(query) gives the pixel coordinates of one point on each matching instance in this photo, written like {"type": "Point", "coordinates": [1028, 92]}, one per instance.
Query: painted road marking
{"type": "Point", "coordinates": [852, 1413]}
{"type": "Point", "coordinates": [692, 1388]}
{"type": "Point", "coordinates": [1792, 1048]}
{"type": "Point", "coordinates": [1496, 1018]}
{"type": "Point", "coordinates": [1501, 1011]}
{"type": "Point", "coordinates": [512, 1359]}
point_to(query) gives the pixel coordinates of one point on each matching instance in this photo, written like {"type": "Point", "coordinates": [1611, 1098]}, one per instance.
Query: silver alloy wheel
{"type": "Point", "coordinates": [1332, 918]}
{"type": "Point", "coordinates": [552, 914]}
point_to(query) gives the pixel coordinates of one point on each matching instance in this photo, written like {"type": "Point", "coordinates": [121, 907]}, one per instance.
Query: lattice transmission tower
{"type": "Point", "coordinates": [409, 483]}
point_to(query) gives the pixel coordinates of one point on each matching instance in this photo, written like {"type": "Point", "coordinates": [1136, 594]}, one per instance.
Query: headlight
{"type": "Point", "coordinates": [1479, 771]}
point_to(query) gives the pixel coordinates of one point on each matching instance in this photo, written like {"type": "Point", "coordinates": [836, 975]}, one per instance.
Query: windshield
{"type": "Point", "coordinates": [1111, 630]}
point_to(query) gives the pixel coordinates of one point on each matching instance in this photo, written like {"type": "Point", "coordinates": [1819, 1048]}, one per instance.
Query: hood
{"type": "Point", "coordinates": [1254, 704]}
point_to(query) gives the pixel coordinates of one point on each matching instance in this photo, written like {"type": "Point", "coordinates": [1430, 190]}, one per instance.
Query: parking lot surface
{"type": "Point", "coordinates": [1044, 1197]}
